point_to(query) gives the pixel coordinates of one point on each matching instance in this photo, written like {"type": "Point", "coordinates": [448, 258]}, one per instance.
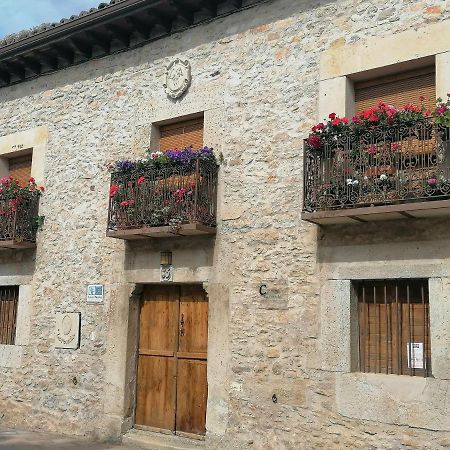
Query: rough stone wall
{"type": "Point", "coordinates": [267, 59]}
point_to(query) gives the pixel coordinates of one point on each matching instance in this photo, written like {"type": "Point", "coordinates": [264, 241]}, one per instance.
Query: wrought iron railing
{"type": "Point", "coordinates": [170, 196]}
{"type": "Point", "coordinates": [19, 217]}
{"type": "Point", "coordinates": [386, 165]}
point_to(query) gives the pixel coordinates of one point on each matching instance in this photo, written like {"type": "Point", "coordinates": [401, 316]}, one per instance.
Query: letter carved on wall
{"type": "Point", "coordinates": [178, 78]}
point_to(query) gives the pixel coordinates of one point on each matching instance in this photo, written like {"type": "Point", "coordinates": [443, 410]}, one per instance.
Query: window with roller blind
{"type": "Point", "coordinates": [9, 297]}
{"type": "Point", "coordinates": [394, 327]}
{"type": "Point", "coordinates": [397, 90]}
{"type": "Point", "coordinates": [180, 135]}
{"type": "Point", "coordinates": [20, 168]}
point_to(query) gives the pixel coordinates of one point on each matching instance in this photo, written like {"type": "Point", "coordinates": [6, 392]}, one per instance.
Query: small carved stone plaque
{"type": "Point", "coordinates": [67, 330]}
{"type": "Point", "coordinates": [178, 78]}
{"type": "Point", "coordinates": [166, 273]}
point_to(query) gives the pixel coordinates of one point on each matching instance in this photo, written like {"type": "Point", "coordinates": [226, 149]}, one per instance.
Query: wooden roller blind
{"type": "Point", "coordinates": [182, 134]}
{"type": "Point", "coordinates": [20, 168]}
{"type": "Point", "coordinates": [9, 296]}
{"type": "Point", "coordinates": [394, 327]}
{"type": "Point", "coordinates": [397, 90]}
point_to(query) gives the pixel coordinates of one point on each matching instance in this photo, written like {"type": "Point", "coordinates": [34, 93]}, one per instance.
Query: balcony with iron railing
{"type": "Point", "coordinates": [163, 201]}
{"type": "Point", "coordinates": [387, 172]}
{"type": "Point", "coordinates": [19, 219]}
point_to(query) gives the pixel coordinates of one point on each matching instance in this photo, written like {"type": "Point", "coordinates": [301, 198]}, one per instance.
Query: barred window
{"type": "Point", "coordinates": [394, 327]}
{"type": "Point", "coordinates": [9, 296]}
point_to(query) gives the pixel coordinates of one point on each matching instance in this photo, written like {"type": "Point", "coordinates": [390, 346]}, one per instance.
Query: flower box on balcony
{"type": "Point", "coordinates": [19, 219]}
{"type": "Point", "coordinates": [164, 198]}
{"type": "Point", "coordinates": [379, 174]}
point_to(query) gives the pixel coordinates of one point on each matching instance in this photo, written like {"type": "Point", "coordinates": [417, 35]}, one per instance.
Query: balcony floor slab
{"type": "Point", "coordinates": [11, 244]}
{"type": "Point", "coordinates": [416, 210]}
{"type": "Point", "coordinates": [191, 229]}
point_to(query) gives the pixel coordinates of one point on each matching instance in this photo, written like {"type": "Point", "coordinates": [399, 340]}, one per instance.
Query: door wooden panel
{"type": "Point", "coordinates": [159, 319]}
{"type": "Point", "coordinates": [155, 404]}
{"type": "Point", "coordinates": [193, 320]}
{"type": "Point", "coordinates": [156, 382]}
{"type": "Point", "coordinates": [192, 393]}
{"type": "Point", "coordinates": [172, 387]}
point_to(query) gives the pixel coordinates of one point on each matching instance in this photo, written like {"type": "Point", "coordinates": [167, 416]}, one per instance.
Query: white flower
{"type": "Point", "coordinates": [355, 182]}
{"type": "Point", "coordinates": [154, 155]}
{"type": "Point", "coordinates": [383, 176]}
{"type": "Point", "coordinates": [366, 178]}
{"type": "Point", "coordinates": [349, 181]}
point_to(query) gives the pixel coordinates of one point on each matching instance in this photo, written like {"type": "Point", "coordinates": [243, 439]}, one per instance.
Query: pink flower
{"type": "Point", "coordinates": [372, 149]}
{"type": "Point", "coordinates": [124, 203]}
{"type": "Point", "coordinates": [31, 180]}
{"type": "Point", "coordinates": [141, 180]}
{"type": "Point", "coordinates": [344, 120]}
{"type": "Point", "coordinates": [432, 181]}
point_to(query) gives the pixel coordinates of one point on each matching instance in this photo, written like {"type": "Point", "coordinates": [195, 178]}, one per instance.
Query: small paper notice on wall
{"type": "Point", "coordinates": [415, 355]}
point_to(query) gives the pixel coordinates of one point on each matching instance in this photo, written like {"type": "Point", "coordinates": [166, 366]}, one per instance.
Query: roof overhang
{"type": "Point", "coordinates": [106, 30]}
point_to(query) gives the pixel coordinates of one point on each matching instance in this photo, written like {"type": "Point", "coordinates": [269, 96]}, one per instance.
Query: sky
{"type": "Point", "coordinates": [16, 15]}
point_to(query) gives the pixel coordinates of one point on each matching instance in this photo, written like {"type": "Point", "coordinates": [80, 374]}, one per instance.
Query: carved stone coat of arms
{"type": "Point", "coordinates": [178, 78]}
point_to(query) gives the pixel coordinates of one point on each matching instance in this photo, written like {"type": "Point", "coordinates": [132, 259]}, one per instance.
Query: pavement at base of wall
{"type": "Point", "coordinates": [26, 440]}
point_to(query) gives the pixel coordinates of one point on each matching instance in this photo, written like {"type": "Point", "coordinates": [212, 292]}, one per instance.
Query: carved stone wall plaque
{"type": "Point", "coordinates": [67, 333]}
{"type": "Point", "coordinates": [166, 273]}
{"type": "Point", "coordinates": [178, 78]}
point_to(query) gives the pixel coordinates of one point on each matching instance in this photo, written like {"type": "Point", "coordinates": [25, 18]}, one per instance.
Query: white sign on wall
{"type": "Point", "coordinates": [415, 355]}
{"type": "Point", "coordinates": [67, 333]}
{"type": "Point", "coordinates": [95, 293]}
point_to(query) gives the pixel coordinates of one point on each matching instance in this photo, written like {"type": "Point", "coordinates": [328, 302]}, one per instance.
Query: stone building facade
{"type": "Point", "coordinates": [280, 372]}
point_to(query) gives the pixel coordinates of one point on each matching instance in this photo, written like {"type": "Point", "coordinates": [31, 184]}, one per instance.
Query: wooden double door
{"type": "Point", "coordinates": [172, 385]}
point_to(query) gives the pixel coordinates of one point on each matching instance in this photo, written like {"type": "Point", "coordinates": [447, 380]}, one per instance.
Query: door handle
{"type": "Point", "coordinates": [182, 325]}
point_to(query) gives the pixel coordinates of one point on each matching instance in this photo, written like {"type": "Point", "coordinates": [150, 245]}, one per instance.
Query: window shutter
{"type": "Point", "coordinates": [182, 134]}
{"type": "Point", "coordinates": [393, 315]}
{"type": "Point", "coordinates": [9, 296]}
{"type": "Point", "coordinates": [20, 168]}
{"type": "Point", "coordinates": [397, 90]}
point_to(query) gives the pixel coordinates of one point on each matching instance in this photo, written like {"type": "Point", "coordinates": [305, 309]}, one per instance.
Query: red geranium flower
{"type": "Point", "coordinates": [113, 190]}
{"type": "Point", "coordinates": [141, 180]}
{"type": "Point", "coordinates": [336, 121]}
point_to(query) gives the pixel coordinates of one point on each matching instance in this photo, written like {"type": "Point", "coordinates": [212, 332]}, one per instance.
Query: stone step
{"type": "Point", "coordinates": [159, 441]}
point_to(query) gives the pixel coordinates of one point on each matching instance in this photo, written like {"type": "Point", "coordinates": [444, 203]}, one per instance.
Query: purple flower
{"type": "Point", "coordinates": [432, 181]}
{"type": "Point", "coordinates": [124, 166]}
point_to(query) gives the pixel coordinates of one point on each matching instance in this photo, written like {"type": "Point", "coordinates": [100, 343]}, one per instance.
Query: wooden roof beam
{"type": "Point", "coordinates": [119, 34]}
{"type": "Point", "coordinates": [15, 68]}
{"type": "Point", "coordinates": [80, 47]}
{"type": "Point", "coordinates": [31, 64]}
{"type": "Point", "coordinates": [138, 27]}
{"type": "Point", "coordinates": [99, 40]}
